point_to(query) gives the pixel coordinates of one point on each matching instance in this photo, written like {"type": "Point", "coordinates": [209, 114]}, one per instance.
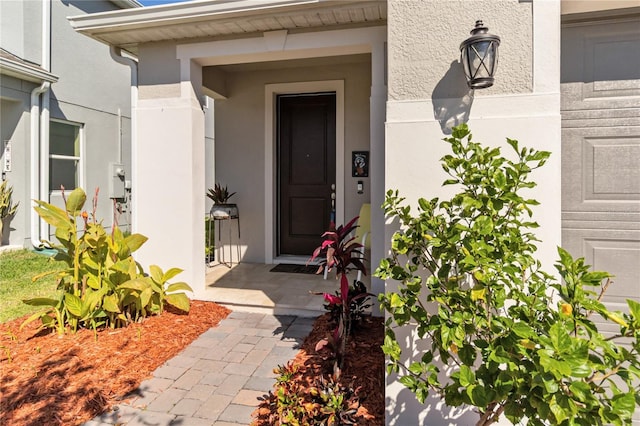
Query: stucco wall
{"type": "Point", "coordinates": [92, 90]}
{"type": "Point", "coordinates": [159, 71]}
{"type": "Point", "coordinates": [428, 94]}
{"type": "Point", "coordinates": [424, 40]}
{"type": "Point", "coordinates": [240, 144]}
{"type": "Point", "coordinates": [21, 29]}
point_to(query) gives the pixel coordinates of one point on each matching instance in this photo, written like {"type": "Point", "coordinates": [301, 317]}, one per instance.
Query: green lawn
{"type": "Point", "coordinates": [16, 270]}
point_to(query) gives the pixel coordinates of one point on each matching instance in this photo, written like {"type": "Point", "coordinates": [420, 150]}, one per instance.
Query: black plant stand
{"type": "Point", "coordinates": [220, 213]}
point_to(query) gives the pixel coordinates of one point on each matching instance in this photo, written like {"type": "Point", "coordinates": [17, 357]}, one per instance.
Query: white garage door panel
{"type": "Point", "coordinates": [614, 251]}
{"type": "Point", "coordinates": [602, 169]}
{"type": "Point", "coordinates": [600, 65]}
{"type": "Point", "coordinates": [601, 153]}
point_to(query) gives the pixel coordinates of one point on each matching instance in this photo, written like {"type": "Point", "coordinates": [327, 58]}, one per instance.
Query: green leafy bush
{"type": "Point", "coordinates": [513, 339]}
{"type": "Point", "coordinates": [102, 285]}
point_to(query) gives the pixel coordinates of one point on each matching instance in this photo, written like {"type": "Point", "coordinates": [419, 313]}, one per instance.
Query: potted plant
{"type": "Point", "coordinates": [7, 211]}
{"type": "Point", "coordinates": [221, 209]}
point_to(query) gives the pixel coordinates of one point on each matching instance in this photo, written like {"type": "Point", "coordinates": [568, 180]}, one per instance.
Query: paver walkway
{"type": "Point", "coordinates": [217, 379]}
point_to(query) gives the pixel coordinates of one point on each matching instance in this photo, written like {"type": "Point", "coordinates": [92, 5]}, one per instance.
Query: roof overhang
{"type": "Point", "coordinates": [126, 4]}
{"type": "Point", "coordinates": [207, 19]}
{"type": "Point", "coordinates": [13, 66]}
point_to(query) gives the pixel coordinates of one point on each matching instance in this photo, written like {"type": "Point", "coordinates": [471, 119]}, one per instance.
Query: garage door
{"type": "Point", "coordinates": [601, 150]}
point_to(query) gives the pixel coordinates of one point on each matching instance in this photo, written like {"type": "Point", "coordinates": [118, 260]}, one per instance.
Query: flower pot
{"type": "Point", "coordinates": [224, 211]}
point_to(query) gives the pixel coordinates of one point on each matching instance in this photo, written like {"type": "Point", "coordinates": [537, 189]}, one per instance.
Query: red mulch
{"type": "Point", "coordinates": [363, 368]}
{"type": "Point", "coordinates": [46, 379]}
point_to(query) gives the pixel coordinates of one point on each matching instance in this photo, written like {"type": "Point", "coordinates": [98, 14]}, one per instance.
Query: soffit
{"type": "Point", "coordinates": [225, 19]}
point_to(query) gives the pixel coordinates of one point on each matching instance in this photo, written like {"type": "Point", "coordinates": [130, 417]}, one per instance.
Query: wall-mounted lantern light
{"type": "Point", "coordinates": [479, 56]}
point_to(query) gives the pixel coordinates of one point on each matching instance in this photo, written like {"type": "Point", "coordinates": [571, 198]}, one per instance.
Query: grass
{"type": "Point", "coordinates": [17, 268]}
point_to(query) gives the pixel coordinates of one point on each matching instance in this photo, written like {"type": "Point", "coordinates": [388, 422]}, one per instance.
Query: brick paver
{"type": "Point", "coordinates": [217, 379]}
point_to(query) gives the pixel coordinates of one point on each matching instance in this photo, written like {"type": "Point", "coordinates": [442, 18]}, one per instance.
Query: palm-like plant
{"type": "Point", "coordinates": [219, 194]}
{"type": "Point", "coordinates": [7, 207]}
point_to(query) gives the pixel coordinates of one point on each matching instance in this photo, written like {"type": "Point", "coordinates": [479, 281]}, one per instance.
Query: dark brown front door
{"type": "Point", "coordinates": [306, 170]}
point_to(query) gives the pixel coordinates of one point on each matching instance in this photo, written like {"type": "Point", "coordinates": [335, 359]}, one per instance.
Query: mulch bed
{"type": "Point", "coordinates": [363, 369]}
{"type": "Point", "coordinates": [46, 379]}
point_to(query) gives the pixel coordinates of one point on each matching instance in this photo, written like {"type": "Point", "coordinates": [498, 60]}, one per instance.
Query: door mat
{"type": "Point", "coordinates": [295, 269]}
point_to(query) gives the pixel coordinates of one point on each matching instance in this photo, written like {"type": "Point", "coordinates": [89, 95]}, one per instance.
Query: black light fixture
{"type": "Point", "coordinates": [479, 56]}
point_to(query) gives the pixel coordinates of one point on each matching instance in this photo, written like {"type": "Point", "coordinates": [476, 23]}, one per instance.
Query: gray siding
{"type": "Point", "coordinates": [92, 90]}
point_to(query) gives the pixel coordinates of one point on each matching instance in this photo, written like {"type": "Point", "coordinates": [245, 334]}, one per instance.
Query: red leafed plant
{"type": "Point", "coordinates": [339, 250]}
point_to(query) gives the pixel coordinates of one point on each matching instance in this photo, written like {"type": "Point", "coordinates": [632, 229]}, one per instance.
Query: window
{"type": "Point", "coordinates": [65, 155]}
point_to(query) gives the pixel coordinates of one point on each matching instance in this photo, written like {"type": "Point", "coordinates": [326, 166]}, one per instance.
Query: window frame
{"type": "Point", "coordinates": [79, 158]}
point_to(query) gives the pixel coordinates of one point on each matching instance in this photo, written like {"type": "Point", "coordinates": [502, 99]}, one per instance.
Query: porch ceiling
{"type": "Point", "coordinates": [223, 19]}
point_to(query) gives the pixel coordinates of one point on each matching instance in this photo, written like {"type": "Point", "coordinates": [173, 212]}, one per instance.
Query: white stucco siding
{"type": "Point", "coordinates": [428, 94]}
{"type": "Point", "coordinates": [159, 71]}
{"type": "Point", "coordinates": [169, 197]}
{"type": "Point", "coordinates": [424, 39]}
{"type": "Point", "coordinates": [240, 138]}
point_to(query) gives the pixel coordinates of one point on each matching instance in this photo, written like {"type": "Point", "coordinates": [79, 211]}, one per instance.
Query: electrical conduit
{"type": "Point", "coordinates": [116, 55]}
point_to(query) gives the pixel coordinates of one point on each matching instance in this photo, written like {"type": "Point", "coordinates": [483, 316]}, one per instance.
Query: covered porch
{"type": "Point", "coordinates": [253, 287]}
{"type": "Point", "coordinates": [233, 61]}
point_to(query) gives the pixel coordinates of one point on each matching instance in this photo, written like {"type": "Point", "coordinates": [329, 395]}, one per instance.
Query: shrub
{"type": "Point", "coordinates": [102, 285]}
{"type": "Point", "coordinates": [324, 402]}
{"type": "Point", "coordinates": [358, 299]}
{"type": "Point", "coordinates": [513, 339]}
{"type": "Point", "coordinates": [339, 250]}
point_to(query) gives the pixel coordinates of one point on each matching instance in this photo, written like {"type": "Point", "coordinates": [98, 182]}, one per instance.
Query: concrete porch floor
{"type": "Point", "coordinates": [251, 287]}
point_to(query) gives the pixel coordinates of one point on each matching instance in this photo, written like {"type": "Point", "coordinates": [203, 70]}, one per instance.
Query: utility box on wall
{"type": "Point", "coordinates": [116, 181]}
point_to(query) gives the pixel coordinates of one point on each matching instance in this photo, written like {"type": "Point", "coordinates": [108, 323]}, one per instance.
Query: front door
{"type": "Point", "coordinates": [306, 170]}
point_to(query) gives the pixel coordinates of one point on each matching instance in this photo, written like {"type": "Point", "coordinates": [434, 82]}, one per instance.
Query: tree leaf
{"type": "Point", "coordinates": [396, 300]}
{"type": "Point", "coordinates": [156, 273]}
{"type": "Point", "coordinates": [170, 274]}
{"type": "Point", "coordinates": [135, 241]}
{"type": "Point", "coordinates": [135, 284]}
{"type": "Point", "coordinates": [467, 377]}
{"type": "Point", "coordinates": [40, 301]}
{"type": "Point", "coordinates": [179, 300]}
{"type": "Point", "coordinates": [624, 404]}
{"type": "Point", "coordinates": [53, 215]}
{"type": "Point", "coordinates": [178, 286]}
{"type": "Point", "coordinates": [110, 303]}
{"type": "Point", "coordinates": [73, 304]}
{"type": "Point", "coordinates": [634, 309]}
{"type": "Point", "coordinates": [75, 201]}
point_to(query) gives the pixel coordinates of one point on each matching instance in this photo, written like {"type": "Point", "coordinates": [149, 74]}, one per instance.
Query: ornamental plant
{"type": "Point", "coordinates": [295, 402]}
{"type": "Point", "coordinates": [219, 194]}
{"type": "Point", "coordinates": [513, 340]}
{"type": "Point", "coordinates": [102, 286]}
{"type": "Point", "coordinates": [7, 207]}
{"type": "Point", "coordinates": [339, 250]}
